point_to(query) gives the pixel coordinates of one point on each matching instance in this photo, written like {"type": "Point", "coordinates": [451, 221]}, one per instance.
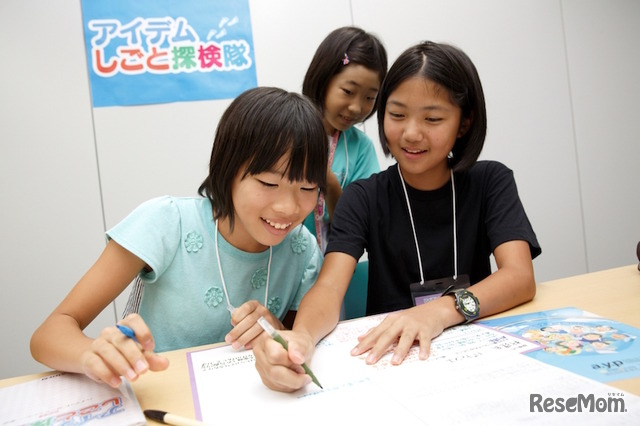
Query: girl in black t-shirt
{"type": "Point", "coordinates": [432, 120]}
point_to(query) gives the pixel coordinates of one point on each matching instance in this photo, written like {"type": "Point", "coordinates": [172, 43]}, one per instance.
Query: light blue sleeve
{"type": "Point", "coordinates": [366, 162]}
{"type": "Point", "coordinates": [152, 233]}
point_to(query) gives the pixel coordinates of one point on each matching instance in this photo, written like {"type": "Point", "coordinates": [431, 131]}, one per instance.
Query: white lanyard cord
{"type": "Point", "coordinates": [413, 227]}
{"type": "Point", "coordinates": [230, 307]}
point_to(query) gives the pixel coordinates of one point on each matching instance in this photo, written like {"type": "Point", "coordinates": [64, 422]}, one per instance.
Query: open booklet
{"type": "Point", "coordinates": [474, 375]}
{"type": "Point", "coordinates": [69, 399]}
{"type": "Point", "coordinates": [598, 348]}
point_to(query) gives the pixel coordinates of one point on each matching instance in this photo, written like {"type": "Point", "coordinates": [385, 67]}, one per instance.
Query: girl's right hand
{"type": "Point", "coordinates": [112, 354]}
{"type": "Point", "coordinates": [280, 369]}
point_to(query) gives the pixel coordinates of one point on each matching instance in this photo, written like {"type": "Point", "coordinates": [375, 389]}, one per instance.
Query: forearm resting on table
{"type": "Point", "coordinates": [512, 284]}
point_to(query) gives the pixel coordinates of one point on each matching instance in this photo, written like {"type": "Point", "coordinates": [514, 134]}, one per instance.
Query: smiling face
{"type": "Point", "coordinates": [350, 97]}
{"type": "Point", "coordinates": [421, 126]}
{"type": "Point", "coordinates": [267, 206]}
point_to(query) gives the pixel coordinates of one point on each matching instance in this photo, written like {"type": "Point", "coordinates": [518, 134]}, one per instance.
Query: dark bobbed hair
{"type": "Point", "coordinates": [453, 70]}
{"type": "Point", "coordinates": [259, 127]}
{"type": "Point", "coordinates": [361, 47]}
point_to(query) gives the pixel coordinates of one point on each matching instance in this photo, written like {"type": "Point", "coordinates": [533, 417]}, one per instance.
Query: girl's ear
{"type": "Point", "coordinates": [465, 124]}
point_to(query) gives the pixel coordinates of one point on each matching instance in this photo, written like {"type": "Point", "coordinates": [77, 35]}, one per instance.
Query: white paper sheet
{"type": "Point", "coordinates": [69, 399]}
{"type": "Point", "coordinates": [475, 375]}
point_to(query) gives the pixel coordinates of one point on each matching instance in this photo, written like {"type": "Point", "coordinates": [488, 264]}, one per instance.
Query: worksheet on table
{"type": "Point", "coordinates": [470, 366]}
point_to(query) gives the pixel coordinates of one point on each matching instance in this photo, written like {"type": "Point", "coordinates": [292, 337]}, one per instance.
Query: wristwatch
{"type": "Point", "coordinates": [466, 303]}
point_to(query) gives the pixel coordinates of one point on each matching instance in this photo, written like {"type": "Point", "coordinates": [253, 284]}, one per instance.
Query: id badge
{"type": "Point", "coordinates": [432, 289]}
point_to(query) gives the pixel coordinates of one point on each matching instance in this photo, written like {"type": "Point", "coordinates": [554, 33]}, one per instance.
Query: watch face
{"type": "Point", "coordinates": [468, 304]}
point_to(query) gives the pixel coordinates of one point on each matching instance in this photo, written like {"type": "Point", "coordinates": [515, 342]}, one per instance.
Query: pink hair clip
{"type": "Point", "coordinates": [345, 60]}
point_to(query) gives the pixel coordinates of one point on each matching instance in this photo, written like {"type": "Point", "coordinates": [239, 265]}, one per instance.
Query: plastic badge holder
{"type": "Point", "coordinates": [432, 289]}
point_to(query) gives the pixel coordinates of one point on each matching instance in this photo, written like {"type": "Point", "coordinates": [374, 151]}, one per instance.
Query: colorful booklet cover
{"type": "Point", "coordinates": [578, 341]}
{"type": "Point", "coordinates": [63, 399]}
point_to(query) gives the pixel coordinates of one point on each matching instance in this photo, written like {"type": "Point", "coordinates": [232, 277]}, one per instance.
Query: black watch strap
{"type": "Point", "coordinates": [458, 294]}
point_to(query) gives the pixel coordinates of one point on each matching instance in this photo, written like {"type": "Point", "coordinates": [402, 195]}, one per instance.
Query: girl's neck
{"type": "Point", "coordinates": [429, 180]}
{"type": "Point", "coordinates": [328, 128]}
{"type": "Point", "coordinates": [239, 238]}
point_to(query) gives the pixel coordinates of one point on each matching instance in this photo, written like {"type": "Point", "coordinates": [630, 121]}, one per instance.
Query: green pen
{"type": "Point", "coordinates": [278, 338]}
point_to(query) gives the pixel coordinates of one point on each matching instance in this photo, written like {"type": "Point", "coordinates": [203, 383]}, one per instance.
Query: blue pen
{"type": "Point", "coordinates": [127, 331]}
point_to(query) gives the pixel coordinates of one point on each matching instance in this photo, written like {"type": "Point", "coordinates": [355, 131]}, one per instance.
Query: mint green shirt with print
{"type": "Point", "coordinates": [184, 302]}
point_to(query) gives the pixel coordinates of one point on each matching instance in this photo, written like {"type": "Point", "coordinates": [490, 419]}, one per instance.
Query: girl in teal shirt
{"type": "Point", "coordinates": [211, 265]}
{"type": "Point", "coordinates": [343, 80]}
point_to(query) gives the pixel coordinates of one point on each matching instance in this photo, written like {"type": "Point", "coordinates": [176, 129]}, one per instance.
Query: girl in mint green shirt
{"type": "Point", "coordinates": [211, 265]}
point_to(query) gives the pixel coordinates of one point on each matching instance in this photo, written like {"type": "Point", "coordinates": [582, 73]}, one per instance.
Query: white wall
{"type": "Point", "coordinates": [603, 59]}
{"type": "Point", "coordinates": [559, 77]}
{"type": "Point", "coordinates": [51, 221]}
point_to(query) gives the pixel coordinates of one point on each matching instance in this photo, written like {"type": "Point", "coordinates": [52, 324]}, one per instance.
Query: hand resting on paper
{"type": "Point", "coordinates": [112, 354]}
{"type": "Point", "coordinates": [403, 329]}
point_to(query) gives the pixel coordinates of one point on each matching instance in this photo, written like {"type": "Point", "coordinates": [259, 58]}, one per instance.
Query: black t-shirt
{"type": "Point", "coordinates": [372, 215]}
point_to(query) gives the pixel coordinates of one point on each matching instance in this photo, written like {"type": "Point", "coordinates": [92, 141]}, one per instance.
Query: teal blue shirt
{"type": "Point", "coordinates": [358, 161]}
{"type": "Point", "coordinates": [183, 301]}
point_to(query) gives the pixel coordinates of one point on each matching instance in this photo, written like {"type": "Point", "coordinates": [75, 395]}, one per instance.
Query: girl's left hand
{"type": "Point", "coordinates": [245, 324]}
{"type": "Point", "coordinates": [403, 328]}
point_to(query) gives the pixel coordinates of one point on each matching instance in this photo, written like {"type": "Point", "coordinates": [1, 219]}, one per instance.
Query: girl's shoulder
{"type": "Point", "coordinates": [172, 208]}
{"type": "Point", "coordinates": [384, 177]}
{"type": "Point", "coordinates": [487, 177]}
{"type": "Point", "coordinates": [385, 181]}
{"type": "Point", "coordinates": [487, 170]}
{"type": "Point", "coordinates": [488, 166]}
{"type": "Point", "coordinates": [172, 202]}
{"type": "Point", "coordinates": [355, 135]}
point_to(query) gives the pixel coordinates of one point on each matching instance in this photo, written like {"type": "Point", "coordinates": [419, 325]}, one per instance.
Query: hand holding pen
{"type": "Point", "coordinates": [276, 336]}
{"type": "Point", "coordinates": [117, 352]}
